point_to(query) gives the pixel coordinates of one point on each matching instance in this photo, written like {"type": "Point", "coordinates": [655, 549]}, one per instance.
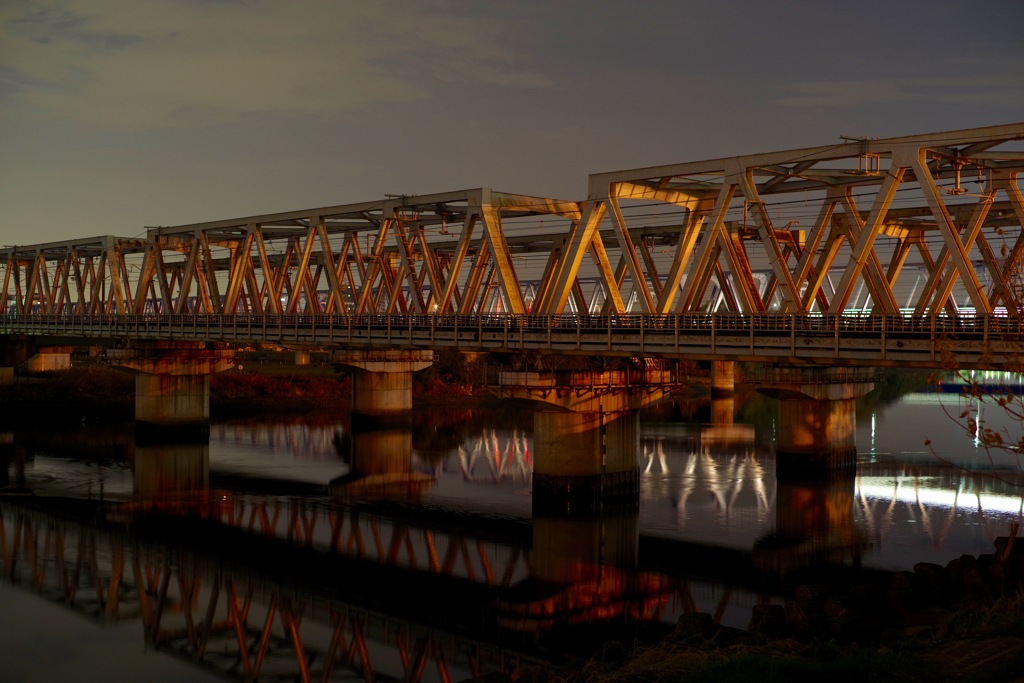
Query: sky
{"type": "Point", "coordinates": [121, 114]}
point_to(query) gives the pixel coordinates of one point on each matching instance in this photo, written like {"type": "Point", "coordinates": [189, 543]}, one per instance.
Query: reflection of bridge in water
{"type": "Point", "coordinates": [242, 620]}
{"type": "Point", "coordinates": [714, 490]}
{"type": "Point", "coordinates": [251, 613]}
{"type": "Point", "coordinates": [280, 438]}
{"type": "Point", "coordinates": [273, 588]}
{"type": "Point", "coordinates": [714, 484]}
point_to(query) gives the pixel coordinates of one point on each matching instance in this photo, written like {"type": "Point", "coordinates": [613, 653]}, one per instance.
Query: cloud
{"type": "Point", "coordinates": [153, 63]}
{"type": "Point", "coordinates": [988, 86]}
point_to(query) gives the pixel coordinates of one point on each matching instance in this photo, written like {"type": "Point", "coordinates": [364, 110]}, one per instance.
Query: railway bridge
{"type": "Point", "coordinates": [873, 252]}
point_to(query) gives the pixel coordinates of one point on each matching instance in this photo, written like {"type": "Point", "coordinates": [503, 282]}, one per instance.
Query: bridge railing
{"type": "Point", "coordinates": [721, 322]}
{"type": "Point", "coordinates": [976, 340]}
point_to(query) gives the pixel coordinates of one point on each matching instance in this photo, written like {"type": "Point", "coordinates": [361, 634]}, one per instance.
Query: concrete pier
{"type": "Point", "coordinates": [382, 381]}
{"type": "Point", "coordinates": [816, 433]}
{"type": "Point", "coordinates": [172, 399]}
{"type": "Point", "coordinates": [723, 379]}
{"type": "Point", "coordinates": [50, 359]}
{"type": "Point", "coordinates": [586, 435]}
{"type": "Point", "coordinates": [584, 460]}
{"type": "Point", "coordinates": [172, 385]}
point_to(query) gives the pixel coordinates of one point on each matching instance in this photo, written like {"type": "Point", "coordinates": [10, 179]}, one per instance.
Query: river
{"type": "Point", "coordinates": [417, 550]}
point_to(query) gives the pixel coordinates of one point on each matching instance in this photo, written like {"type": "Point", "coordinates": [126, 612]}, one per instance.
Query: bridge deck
{"type": "Point", "coordinates": [991, 342]}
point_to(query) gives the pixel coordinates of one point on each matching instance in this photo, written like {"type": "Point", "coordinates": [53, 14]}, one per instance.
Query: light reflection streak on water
{"type": "Point", "coordinates": [915, 491]}
{"type": "Point", "coordinates": [506, 455]}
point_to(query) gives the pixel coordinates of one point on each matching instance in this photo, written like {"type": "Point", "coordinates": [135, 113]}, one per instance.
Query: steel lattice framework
{"type": "Point", "coordinates": [922, 224]}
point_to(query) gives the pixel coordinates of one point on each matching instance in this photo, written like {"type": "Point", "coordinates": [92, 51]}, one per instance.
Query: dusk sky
{"type": "Point", "coordinates": [118, 114]}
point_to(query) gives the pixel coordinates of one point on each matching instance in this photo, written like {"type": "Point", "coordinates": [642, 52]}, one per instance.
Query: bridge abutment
{"type": "Point", "coordinates": [816, 432]}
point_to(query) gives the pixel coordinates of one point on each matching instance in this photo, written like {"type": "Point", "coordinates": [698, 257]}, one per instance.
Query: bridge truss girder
{"type": "Point", "coordinates": [732, 210]}
{"type": "Point", "coordinates": [892, 226]}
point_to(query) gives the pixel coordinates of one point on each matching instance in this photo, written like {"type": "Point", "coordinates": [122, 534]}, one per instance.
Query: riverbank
{"type": "Point", "coordinates": [96, 392]}
{"type": "Point", "coordinates": [961, 623]}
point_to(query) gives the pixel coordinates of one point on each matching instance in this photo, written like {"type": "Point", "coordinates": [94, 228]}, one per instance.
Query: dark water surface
{"type": "Point", "coordinates": [418, 550]}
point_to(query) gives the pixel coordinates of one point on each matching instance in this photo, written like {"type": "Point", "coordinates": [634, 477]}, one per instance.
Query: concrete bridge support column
{"type": "Point", "coordinates": [817, 418]}
{"type": "Point", "coordinates": [381, 394]}
{"type": "Point", "coordinates": [167, 399]}
{"type": "Point", "coordinates": [586, 437]}
{"type": "Point", "coordinates": [723, 384]}
{"type": "Point", "coordinates": [302, 357]}
{"type": "Point", "coordinates": [50, 359]}
{"type": "Point", "coordinates": [13, 352]}
{"type": "Point", "coordinates": [723, 378]}
{"type": "Point", "coordinates": [815, 434]}
{"type": "Point", "coordinates": [585, 459]}
{"type": "Point", "coordinates": [172, 386]}
{"type": "Point", "coordinates": [382, 382]}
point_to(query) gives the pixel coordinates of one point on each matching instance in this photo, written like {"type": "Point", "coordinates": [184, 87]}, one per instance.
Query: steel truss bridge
{"type": "Point", "coordinates": [924, 225]}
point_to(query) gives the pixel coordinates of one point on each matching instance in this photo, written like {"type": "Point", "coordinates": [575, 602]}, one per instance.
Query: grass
{"type": "Point", "coordinates": [979, 644]}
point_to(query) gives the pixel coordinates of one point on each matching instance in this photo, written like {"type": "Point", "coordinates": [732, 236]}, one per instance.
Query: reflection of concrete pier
{"type": "Point", "coordinates": [381, 462]}
{"type": "Point", "coordinates": [723, 432]}
{"type": "Point", "coordinates": [171, 469]}
{"type": "Point", "coordinates": [583, 572]}
{"type": "Point", "coordinates": [13, 455]}
{"type": "Point", "coordinates": [814, 525]}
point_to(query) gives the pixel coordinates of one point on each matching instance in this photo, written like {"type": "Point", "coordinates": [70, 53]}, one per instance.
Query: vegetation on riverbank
{"type": "Point", "coordinates": [93, 390]}
{"type": "Point", "coordinates": [980, 640]}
